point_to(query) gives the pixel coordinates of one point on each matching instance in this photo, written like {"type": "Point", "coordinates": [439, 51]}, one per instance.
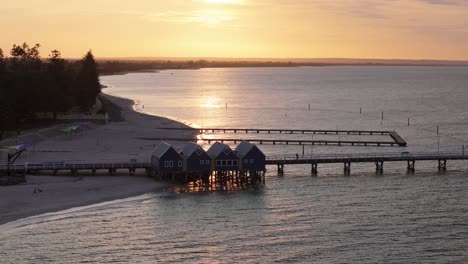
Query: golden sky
{"type": "Point", "coordinates": [405, 29]}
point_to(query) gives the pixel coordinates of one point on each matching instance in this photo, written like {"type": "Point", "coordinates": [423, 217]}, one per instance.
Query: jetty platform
{"type": "Point", "coordinates": [111, 168]}
{"type": "Point", "coordinates": [378, 159]}
{"type": "Point", "coordinates": [395, 138]}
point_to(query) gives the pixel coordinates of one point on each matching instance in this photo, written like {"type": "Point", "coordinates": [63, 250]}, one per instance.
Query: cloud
{"type": "Point", "coordinates": [446, 2]}
{"type": "Point", "coordinates": [201, 17]}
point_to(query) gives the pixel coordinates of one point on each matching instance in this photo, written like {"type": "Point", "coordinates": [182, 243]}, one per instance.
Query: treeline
{"type": "Point", "coordinates": [108, 67]}
{"type": "Point", "coordinates": [30, 84]}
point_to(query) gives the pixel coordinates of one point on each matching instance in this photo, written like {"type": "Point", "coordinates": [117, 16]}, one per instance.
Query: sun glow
{"type": "Point", "coordinates": [211, 102]}
{"type": "Point", "coordinates": [222, 1]}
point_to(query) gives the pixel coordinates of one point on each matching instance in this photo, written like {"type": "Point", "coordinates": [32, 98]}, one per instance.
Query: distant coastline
{"type": "Point", "coordinates": [119, 66]}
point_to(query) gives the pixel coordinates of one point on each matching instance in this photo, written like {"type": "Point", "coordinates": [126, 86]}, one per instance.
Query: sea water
{"type": "Point", "coordinates": [363, 218]}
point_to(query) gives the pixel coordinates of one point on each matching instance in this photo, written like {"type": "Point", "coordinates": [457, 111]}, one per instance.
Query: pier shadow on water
{"type": "Point", "coordinates": [221, 184]}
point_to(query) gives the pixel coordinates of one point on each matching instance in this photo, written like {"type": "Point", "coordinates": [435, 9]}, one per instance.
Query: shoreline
{"type": "Point", "coordinates": [115, 140]}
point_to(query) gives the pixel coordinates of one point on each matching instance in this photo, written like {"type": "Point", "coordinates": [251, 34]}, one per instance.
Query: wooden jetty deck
{"type": "Point", "coordinates": [397, 139]}
{"type": "Point", "coordinates": [288, 141]}
{"type": "Point", "coordinates": [283, 131]}
{"type": "Point", "coordinates": [378, 159]}
{"type": "Point", "coordinates": [74, 167]}
{"type": "Point", "coordinates": [280, 161]}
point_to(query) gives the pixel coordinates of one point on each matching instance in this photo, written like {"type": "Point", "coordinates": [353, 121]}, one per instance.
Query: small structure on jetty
{"type": "Point", "coordinates": [220, 165]}
{"type": "Point", "coordinates": [195, 158]}
{"type": "Point", "coordinates": [251, 157]}
{"type": "Point", "coordinates": [166, 160]}
{"type": "Point", "coordinates": [223, 158]}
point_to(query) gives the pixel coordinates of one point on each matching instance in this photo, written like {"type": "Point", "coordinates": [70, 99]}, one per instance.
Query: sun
{"type": "Point", "coordinates": [222, 1]}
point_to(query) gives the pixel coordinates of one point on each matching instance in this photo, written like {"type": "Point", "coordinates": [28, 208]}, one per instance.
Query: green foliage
{"type": "Point", "coordinates": [87, 82]}
{"type": "Point", "coordinates": [25, 58]}
{"type": "Point", "coordinates": [2, 61]}
{"type": "Point", "coordinates": [29, 85]}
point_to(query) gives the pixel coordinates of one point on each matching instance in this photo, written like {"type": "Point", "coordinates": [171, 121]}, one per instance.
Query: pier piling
{"type": "Point", "coordinates": [411, 166]}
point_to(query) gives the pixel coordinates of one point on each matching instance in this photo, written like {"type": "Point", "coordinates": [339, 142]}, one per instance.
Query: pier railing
{"type": "Point", "coordinates": [367, 157]}
{"type": "Point", "coordinates": [76, 165]}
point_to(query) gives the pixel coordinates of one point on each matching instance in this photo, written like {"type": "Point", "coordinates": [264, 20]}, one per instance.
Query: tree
{"type": "Point", "coordinates": [2, 62]}
{"type": "Point", "coordinates": [23, 58]}
{"type": "Point", "coordinates": [56, 63]}
{"type": "Point", "coordinates": [55, 92]}
{"type": "Point", "coordinates": [87, 85]}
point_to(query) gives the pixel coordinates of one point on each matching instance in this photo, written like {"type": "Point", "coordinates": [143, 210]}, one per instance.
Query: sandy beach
{"type": "Point", "coordinates": [116, 141]}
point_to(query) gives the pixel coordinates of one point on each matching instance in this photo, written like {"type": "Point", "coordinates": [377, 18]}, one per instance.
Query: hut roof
{"type": "Point", "coordinates": [244, 147]}
{"type": "Point", "coordinates": [190, 148]}
{"type": "Point", "coordinates": [217, 148]}
{"type": "Point", "coordinates": [161, 149]}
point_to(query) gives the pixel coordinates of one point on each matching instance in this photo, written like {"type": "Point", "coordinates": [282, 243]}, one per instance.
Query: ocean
{"type": "Point", "coordinates": [294, 218]}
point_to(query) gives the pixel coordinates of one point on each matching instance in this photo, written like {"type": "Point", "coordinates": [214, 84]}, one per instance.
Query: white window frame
{"type": "Point", "coordinates": [202, 162]}
{"type": "Point", "coordinates": [171, 164]}
{"type": "Point", "coordinates": [251, 161]}
{"type": "Point", "coordinates": [179, 163]}
{"type": "Point", "coordinates": [207, 162]}
{"type": "Point", "coordinates": [166, 164]}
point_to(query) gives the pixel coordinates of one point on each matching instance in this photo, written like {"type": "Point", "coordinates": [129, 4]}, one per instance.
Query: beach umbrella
{"type": "Point", "coordinates": [15, 148]}
{"type": "Point", "coordinates": [71, 128]}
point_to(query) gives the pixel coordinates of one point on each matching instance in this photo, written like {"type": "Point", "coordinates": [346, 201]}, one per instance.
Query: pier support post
{"type": "Point", "coordinates": [280, 168]}
{"type": "Point", "coordinates": [379, 167]}
{"type": "Point", "coordinates": [131, 171]}
{"type": "Point", "coordinates": [442, 165]}
{"type": "Point", "coordinates": [347, 168]}
{"type": "Point", "coordinates": [314, 169]}
{"type": "Point", "coordinates": [411, 167]}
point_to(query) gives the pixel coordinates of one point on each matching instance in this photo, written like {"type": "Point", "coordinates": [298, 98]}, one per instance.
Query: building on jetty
{"type": "Point", "coordinates": [166, 160]}
{"type": "Point", "coordinates": [219, 165]}
{"type": "Point", "coordinates": [223, 157]}
{"type": "Point", "coordinates": [251, 157]}
{"type": "Point", "coordinates": [195, 158]}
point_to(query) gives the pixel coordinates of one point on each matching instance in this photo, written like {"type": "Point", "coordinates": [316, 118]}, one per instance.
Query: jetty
{"type": "Point", "coordinates": [396, 139]}
{"type": "Point", "coordinates": [282, 131]}
{"type": "Point", "coordinates": [441, 159]}
{"type": "Point", "coordinates": [378, 159]}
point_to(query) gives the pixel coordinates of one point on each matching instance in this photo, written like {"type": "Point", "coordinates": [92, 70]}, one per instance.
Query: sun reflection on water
{"type": "Point", "coordinates": [210, 102]}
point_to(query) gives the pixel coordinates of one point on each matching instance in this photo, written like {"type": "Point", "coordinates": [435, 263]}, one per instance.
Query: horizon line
{"type": "Point", "coordinates": [292, 59]}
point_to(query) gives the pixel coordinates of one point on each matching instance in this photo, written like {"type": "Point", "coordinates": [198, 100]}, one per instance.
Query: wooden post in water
{"type": "Point", "coordinates": [314, 169]}
{"type": "Point", "coordinates": [411, 166]}
{"type": "Point", "coordinates": [408, 121]}
{"type": "Point", "coordinates": [347, 168]}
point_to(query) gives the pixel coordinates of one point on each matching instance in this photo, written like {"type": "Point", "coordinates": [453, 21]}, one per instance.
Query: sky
{"type": "Point", "coordinates": [383, 29]}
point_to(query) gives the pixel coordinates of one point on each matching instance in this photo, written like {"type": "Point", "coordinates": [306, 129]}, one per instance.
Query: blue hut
{"type": "Point", "coordinates": [165, 159]}
{"type": "Point", "coordinates": [251, 157]}
{"type": "Point", "coordinates": [223, 158]}
{"type": "Point", "coordinates": [195, 158]}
